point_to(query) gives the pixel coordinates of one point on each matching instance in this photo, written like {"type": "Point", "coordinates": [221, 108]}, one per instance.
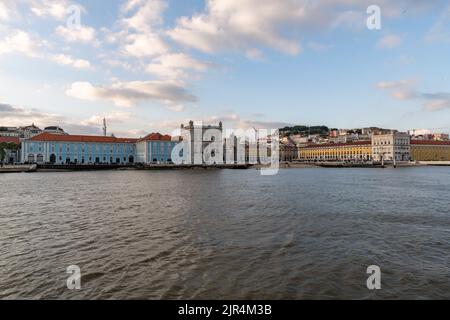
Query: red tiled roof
{"type": "Point", "coordinates": [430, 142]}
{"type": "Point", "coordinates": [156, 137]}
{"type": "Point", "coordinates": [349, 144]}
{"type": "Point", "coordinates": [15, 140]}
{"type": "Point", "coordinates": [45, 136]}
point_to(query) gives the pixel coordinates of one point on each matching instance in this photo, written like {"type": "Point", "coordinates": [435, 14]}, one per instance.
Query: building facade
{"type": "Point", "coordinates": [73, 149]}
{"type": "Point", "coordinates": [391, 147]}
{"type": "Point", "coordinates": [10, 148]}
{"type": "Point", "coordinates": [200, 139]}
{"type": "Point", "coordinates": [155, 148]}
{"type": "Point", "coordinates": [353, 151]}
{"type": "Point", "coordinates": [431, 150]}
{"type": "Point", "coordinates": [288, 152]}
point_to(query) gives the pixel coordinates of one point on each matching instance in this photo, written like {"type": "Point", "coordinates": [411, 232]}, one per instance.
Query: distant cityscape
{"type": "Point", "coordinates": [52, 145]}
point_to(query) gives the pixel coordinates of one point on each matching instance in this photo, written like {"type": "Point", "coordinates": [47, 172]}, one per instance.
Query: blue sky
{"type": "Point", "coordinates": [149, 65]}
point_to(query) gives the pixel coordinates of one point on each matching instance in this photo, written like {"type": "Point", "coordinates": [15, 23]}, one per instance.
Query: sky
{"type": "Point", "coordinates": [150, 65]}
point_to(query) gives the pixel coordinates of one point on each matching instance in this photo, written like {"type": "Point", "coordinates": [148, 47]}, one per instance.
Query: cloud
{"type": "Point", "coordinates": [32, 46]}
{"type": "Point", "coordinates": [17, 116]}
{"type": "Point", "coordinates": [69, 61]}
{"type": "Point", "coordinates": [390, 41]}
{"type": "Point", "coordinates": [255, 54]}
{"type": "Point", "coordinates": [177, 108]}
{"type": "Point", "coordinates": [148, 14]}
{"type": "Point", "coordinates": [6, 11]}
{"type": "Point", "coordinates": [440, 30]}
{"type": "Point", "coordinates": [395, 84]}
{"type": "Point", "coordinates": [139, 35]}
{"type": "Point", "coordinates": [113, 117]}
{"type": "Point", "coordinates": [81, 34]}
{"type": "Point", "coordinates": [436, 101]}
{"type": "Point", "coordinates": [21, 42]}
{"type": "Point", "coordinates": [405, 90]}
{"type": "Point", "coordinates": [4, 108]}
{"type": "Point", "coordinates": [174, 66]}
{"type": "Point", "coordinates": [128, 94]}
{"type": "Point", "coordinates": [400, 90]}
{"type": "Point", "coordinates": [145, 45]}
{"type": "Point", "coordinates": [240, 25]}
{"type": "Point", "coordinates": [56, 9]}
{"type": "Point", "coordinates": [20, 116]}
{"type": "Point", "coordinates": [237, 25]}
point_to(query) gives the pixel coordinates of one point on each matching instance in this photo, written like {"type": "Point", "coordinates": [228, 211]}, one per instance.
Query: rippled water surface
{"type": "Point", "coordinates": [303, 234]}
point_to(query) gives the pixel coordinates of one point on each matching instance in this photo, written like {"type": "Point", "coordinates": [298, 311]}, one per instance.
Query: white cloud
{"type": "Point", "coordinates": [82, 34]}
{"type": "Point", "coordinates": [128, 94]}
{"type": "Point", "coordinates": [149, 14]}
{"type": "Point", "coordinates": [56, 9]}
{"type": "Point", "coordinates": [400, 90]}
{"type": "Point", "coordinates": [404, 90]}
{"type": "Point", "coordinates": [390, 41]}
{"type": "Point", "coordinates": [69, 61]}
{"type": "Point", "coordinates": [31, 46]}
{"type": "Point", "coordinates": [145, 45]}
{"type": "Point", "coordinates": [21, 42]}
{"type": "Point", "coordinates": [173, 65]}
{"type": "Point", "coordinates": [395, 84]}
{"type": "Point", "coordinates": [5, 11]}
{"type": "Point", "coordinates": [255, 54]}
{"type": "Point", "coordinates": [436, 101]}
{"type": "Point", "coordinates": [113, 117]}
{"type": "Point", "coordinates": [238, 24]}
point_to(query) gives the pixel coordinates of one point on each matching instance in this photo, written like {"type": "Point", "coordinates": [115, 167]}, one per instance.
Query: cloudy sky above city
{"type": "Point", "coordinates": [149, 65]}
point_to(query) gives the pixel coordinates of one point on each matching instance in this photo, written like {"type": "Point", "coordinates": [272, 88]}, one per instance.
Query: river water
{"type": "Point", "coordinates": [225, 234]}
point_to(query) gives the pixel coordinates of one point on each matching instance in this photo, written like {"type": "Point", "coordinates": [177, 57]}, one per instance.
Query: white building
{"type": "Point", "coordinates": [20, 132]}
{"type": "Point", "coordinates": [391, 147]}
{"type": "Point", "coordinates": [9, 132]}
{"type": "Point", "coordinates": [200, 139]}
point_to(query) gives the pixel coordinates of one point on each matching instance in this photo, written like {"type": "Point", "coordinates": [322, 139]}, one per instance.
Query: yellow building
{"type": "Point", "coordinates": [428, 150]}
{"type": "Point", "coordinates": [358, 150]}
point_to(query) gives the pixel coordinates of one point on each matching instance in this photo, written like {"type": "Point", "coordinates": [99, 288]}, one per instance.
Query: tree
{"type": "Point", "coordinates": [7, 146]}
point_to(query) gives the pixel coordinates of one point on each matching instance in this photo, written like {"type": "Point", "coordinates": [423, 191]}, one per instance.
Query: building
{"type": "Point", "coordinates": [288, 152]}
{"type": "Point", "coordinates": [352, 151]}
{"type": "Point", "coordinates": [74, 149]}
{"type": "Point", "coordinates": [200, 138]}
{"type": "Point", "coordinates": [55, 130]}
{"type": "Point", "coordinates": [391, 147]}
{"type": "Point", "coordinates": [430, 150]}
{"type": "Point", "coordinates": [441, 136]}
{"type": "Point", "coordinates": [20, 132]}
{"type": "Point", "coordinates": [29, 131]}
{"type": "Point", "coordinates": [10, 146]}
{"type": "Point", "coordinates": [155, 148]}
{"type": "Point", "coordinates": [9, 132]}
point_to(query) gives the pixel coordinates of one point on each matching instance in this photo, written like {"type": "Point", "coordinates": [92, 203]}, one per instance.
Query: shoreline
{"type": "Point", "coordinates": [162, 167]}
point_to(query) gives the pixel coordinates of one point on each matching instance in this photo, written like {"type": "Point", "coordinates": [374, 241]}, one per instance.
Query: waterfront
{"type": "Point", "coordinates": [222, 234]}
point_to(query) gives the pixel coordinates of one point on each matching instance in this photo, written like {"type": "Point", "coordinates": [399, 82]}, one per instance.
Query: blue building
{"type": "Point", "coordinates": [73, 149]}
{"type": "Point", "coordinates": [155, 148]}
{"type": "Point", "coordinates": [76, 149]}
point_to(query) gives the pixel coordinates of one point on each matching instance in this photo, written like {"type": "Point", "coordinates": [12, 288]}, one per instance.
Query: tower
{"type": "Point", "coordinates": [104, 127]}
